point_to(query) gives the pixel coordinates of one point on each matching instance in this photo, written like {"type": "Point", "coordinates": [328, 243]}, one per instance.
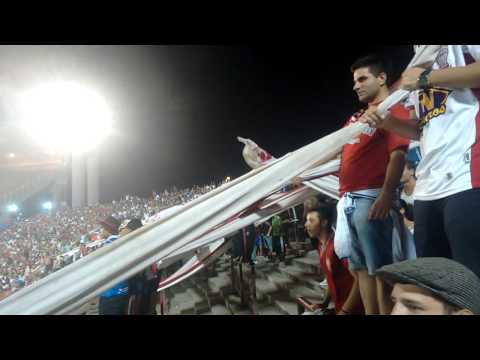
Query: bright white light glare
{"type": "Point", "coordinates": [11, 155]}
{"type": "Point", "coordinates": [65, 116]}
{"type": "Point", "coordinates": [47, 205]}
{"type": "Point", "coordinates": [12, 208]}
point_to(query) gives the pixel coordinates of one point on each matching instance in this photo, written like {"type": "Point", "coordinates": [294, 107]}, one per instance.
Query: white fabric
{"type": "Point", "coordinates": [343, 236]}
{"type": "Point", "coordinates": [254, 155]}
{"type": "Point", "coordinates": [409, 199]}
{"type": "Point", "coordinates": [80, 282]}
{"type": "Point", "coordinates": [195, 264]}
{"type": "Point", "coordinates": [342, 239]}
{"type": "Point", "coordinates": [403, 243]}
{"type": "Point", "coordinates": [447, 139]}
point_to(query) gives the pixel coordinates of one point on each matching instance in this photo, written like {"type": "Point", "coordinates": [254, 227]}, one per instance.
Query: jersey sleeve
{"type": "Point", "coordinates": [395, 142]}
{"type": "Point", "coordinates": [400, 111]}
{"type": "Point", "coordinates": [474, 50]}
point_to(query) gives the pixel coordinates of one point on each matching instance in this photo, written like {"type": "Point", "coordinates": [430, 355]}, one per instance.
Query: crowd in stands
{"type": "Point", "coordinates": [32, 248]}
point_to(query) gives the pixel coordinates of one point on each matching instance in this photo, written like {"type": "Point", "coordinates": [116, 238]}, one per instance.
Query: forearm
{"type": "Point", "coordinates": [457, 77]}
{"type": "Point", "coordinates": [394, 171]}
{"type": "Point", "coordinates": [405, 128]}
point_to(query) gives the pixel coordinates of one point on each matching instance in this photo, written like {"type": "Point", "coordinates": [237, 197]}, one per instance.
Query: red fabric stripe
{"type": "Point", "coordinates": [475, 160]}
{"type": "Point", "coordinates": [475, 151]}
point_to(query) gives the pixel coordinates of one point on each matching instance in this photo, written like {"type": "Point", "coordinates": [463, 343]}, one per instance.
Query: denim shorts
{"type": "Point", "coordinates": [371, 240]}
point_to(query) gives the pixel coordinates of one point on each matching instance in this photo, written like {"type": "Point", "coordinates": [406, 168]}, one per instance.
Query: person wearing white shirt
{"type": "Point", "coordinates": [446, 121]}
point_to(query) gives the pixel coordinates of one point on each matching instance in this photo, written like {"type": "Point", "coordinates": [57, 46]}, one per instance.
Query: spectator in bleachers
{"type": "Point", "coordinates": [444, 103]}
{"type": "Point", "coordinates": [143, 286]}
{"type": "Point", "coordinates": [339, 279]}
{"type": "Point", "coordinates": [113, 301]}
{"type": "Point", "coordinates": [432, 286]}
{"type": "Point", "coordinates": [37, 241]}
{"type": "Point", "coordinates": [369, 175]}
{"type": "Point", "coordinates": [262, 240]}
{"type": "Point", "coordinates": [276, 237]}
{"type": "Point", "coordinates": [309, 204]}
{"type": "Point", "coordinates": [407, 188]}
{"type": "Point", "coordinates": [266, 230]}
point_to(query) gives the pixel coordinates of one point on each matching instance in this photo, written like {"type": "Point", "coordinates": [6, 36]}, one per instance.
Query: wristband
{"type": "Point", "coordinates": [422, 82]}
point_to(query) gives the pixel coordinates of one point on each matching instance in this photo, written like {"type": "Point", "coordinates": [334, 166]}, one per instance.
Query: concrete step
{"type": "Point", "coordinates": [233, 303]}
{"type": "Point", "coordinates": [181, 304]}
{"type": "Point", "coordinates": [200, 302]}
{"type": "Point", "coordinates": [237, 310]}
{"type": "Point", "coordinates": [299, 275]}
{"type": "Point", "coordinates": [219, 283]}
{"type": "Point", "coordinates": [263, 288]}
{"type": "Point", "coordinates": [308, 264]}
{"type": "Point", "coordinates": [220, 310]}
{"type": "Point", "coordinates": [280, 280]}
{"type": "Point", "coordinates": [269, 310]}
{"type": "Point", "coordinates": [93, 307]}
{"type": "Point", "coordinates": [299, 245]}
{"type": "Point", "coordinates": [287, 306]}
{"type": "Point", "coordinates": [176, 289]}
{"type": "Point", "coordinates": [303, 291]}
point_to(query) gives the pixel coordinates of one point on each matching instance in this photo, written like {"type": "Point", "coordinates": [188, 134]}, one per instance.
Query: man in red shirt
{"type": "Point", "coordinates": [339, 279]}
{"type": "Point", "coordinates": [370, 171]}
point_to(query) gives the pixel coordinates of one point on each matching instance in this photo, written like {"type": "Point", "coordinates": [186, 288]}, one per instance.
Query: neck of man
{"type": "Point", "coordinates": [378, 99]}
{"type": "Point", "coordinates": [323, 237]}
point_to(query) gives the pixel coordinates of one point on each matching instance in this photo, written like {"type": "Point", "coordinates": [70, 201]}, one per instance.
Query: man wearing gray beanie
{"type": "Point", "coordinates": [432, 286]}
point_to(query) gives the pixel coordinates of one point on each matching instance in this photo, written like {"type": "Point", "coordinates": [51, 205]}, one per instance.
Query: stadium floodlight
{"type": "Point", "coordinates": [47, 205]}
{"type": "Point", "coordinates": [13, 208]}
{"type": "Point", "coordinates": [65, 116]}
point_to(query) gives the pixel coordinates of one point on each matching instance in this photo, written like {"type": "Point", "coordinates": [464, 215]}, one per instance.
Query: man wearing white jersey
{"type": "Point", "coordinates": [446, 120]}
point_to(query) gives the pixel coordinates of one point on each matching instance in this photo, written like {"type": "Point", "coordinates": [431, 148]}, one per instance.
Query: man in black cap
{"type": "Point", "coordinates": [432, 286]}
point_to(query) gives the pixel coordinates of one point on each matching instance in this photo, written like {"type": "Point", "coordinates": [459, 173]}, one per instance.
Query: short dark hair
{"type": "Point", "coordinates": [326, 211]}
{"type": "Point", "coordinates": [375, 63]}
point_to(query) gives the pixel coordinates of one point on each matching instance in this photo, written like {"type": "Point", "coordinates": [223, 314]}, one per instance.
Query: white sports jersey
{"type": "Point", "coordinates": [450, 121]}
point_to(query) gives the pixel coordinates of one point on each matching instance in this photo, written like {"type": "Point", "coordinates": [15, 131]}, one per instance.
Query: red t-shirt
{"type": "Point", "coordinates": [339, 279]}
{"type": "Point", "coordinates": [364, 163]}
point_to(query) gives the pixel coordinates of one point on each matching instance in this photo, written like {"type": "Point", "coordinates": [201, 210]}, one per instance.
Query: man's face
{"type": "Point", "coordinates": [313, 224]}
{"type": "Point", "coordinates": [413, 300]}
{"type": "Point", "coordinates": [367, 85]}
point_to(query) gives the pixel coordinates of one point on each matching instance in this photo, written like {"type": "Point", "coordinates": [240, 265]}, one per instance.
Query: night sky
{"type": "Point", "coordinates": [179, 109]}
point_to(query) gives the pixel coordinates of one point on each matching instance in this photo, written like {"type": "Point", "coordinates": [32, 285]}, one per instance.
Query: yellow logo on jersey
{"type": "Point", "coordinates": [432, 103]}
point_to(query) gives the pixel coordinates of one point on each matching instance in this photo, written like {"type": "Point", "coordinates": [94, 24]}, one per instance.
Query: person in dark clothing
{"type": "Point", "coordinates": [237, 245]}
{"type": "Point", "coordinates": [114, 301]}
{"type": "Point", "coordinates": [142, 286]}
{"type": "Point", "coordinates": [249, 235]}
